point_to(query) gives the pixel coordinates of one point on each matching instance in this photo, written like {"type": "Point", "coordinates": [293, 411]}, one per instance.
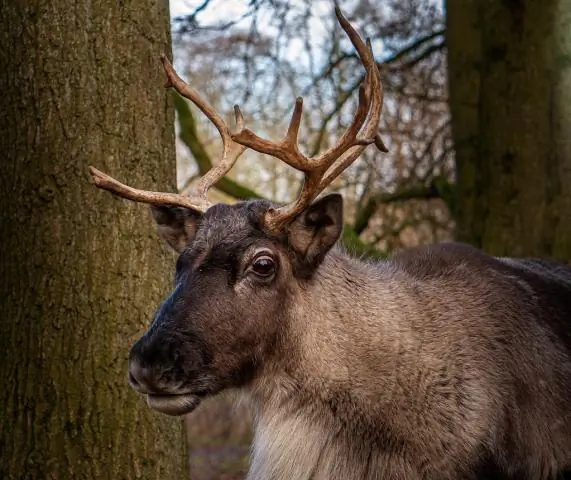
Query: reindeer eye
{"type": "Point", "coordinates": [264, 266]}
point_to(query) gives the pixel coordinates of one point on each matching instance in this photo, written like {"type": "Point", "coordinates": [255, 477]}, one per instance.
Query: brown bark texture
{"type": "Point", "coordinates": [510, 98]}
{"type": "Point", "coordinates": [81, 272]}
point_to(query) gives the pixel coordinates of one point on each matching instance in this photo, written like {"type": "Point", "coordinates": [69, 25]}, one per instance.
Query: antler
{"type": "Point", "coordinates": [231, 151]}
{"type": "Point", "coordinates": [321, 170]}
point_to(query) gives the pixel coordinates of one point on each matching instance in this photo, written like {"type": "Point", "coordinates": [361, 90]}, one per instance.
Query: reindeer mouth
{"type": "Point", "coordinates": [174, 405]}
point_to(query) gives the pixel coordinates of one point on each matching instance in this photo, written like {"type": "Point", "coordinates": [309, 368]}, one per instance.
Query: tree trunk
{"type": "Point", "coordinates": [81, 271]}
{"type": "Point", "coordinates": [510, 84]}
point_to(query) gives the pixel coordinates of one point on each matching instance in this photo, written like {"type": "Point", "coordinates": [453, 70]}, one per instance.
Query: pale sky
{"type": "Point", "coordinates": [182, 7]}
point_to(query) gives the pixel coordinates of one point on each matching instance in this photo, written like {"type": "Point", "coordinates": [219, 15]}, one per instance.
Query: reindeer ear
{"type": "Point", "coordinates": [312, 234]}
{"type": "Point", "coordinates": [176, 225]}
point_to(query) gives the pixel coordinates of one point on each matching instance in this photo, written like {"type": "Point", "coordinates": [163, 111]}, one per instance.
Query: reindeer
{"type": "Point", "coordinates": [441, 362]}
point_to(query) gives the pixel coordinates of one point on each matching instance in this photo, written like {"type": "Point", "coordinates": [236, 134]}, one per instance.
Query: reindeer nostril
{"type": "Point", "coordinates": [140, 378]}
{"type": "Point", "coordinates": [133, 381]}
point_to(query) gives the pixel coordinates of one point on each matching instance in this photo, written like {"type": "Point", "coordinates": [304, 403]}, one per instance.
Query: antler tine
{"type": "Point", "coordinates": [293, 129]}
{"type": "Point", "coordinates": [322, 169]}
{"type": "Point", "coordinates": [231, 151]}
{"type": "Point", "coordinates": [369, 130]}
{"type": "Point", "coordinates": [286, 150]}
{"type": "Point", "coordinates": [230, 154]}
{"type": "Point", "coordinates": [185, 90]}
{"type": "Point", "coordinates": [373, 104]}
{"type": "Point", "coordinates": [108, 183]}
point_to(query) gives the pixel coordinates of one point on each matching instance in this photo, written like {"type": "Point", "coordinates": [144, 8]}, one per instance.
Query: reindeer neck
{"type": "Point", "coordinates": [310, 390]}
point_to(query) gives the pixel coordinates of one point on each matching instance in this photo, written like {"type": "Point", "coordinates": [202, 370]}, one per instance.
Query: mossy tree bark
{"type": "Point", "coordinates": [81, 271]}
{"type": "Point", "coordinates": [510, 97]}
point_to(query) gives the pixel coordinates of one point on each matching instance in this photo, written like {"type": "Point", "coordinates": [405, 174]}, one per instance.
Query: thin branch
{"type": "Point", "coordinates": [415, 192]}
{"type": "Point", "coordinates": [421, 56]}
{"type": "Point", "coordinates": [388, 62]}
{"type": "Point", "coordinates": [415, 45]}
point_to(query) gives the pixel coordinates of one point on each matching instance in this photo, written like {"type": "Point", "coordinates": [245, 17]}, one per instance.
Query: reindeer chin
{"type": "Point", "coordinates": [174, 405]}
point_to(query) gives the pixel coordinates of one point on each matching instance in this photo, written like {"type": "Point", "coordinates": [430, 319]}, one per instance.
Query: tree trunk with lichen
{"type": "Point", "coordinates": [510, 97]}
{"type": "Point", "coordinates": [81, 271]}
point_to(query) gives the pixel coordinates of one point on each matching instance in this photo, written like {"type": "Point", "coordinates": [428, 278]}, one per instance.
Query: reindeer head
{"type": "Point", "coordinates": [238, 264]}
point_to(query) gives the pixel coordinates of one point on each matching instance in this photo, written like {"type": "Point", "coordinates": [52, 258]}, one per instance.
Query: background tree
{"type": "Point", "coordinates": [81, 272]}
{"type": "Point", "coordinates": [510, 84]}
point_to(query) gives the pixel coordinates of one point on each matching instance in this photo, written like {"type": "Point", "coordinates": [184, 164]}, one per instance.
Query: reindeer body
{"type": "Point", "coordinates": [442, 363]}
{"type": "Point", "coordinates": [436, 364]}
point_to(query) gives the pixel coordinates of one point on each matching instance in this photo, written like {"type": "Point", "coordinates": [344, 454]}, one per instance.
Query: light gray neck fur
{"type": "Point", "coordinates": [306, 422]}
{"type": "Point", "coordinates": [377, 362]}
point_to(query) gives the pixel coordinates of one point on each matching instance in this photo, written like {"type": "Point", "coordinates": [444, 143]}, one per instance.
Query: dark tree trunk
{"type": "Point", "coordinates": [510, 97]}
{"type": "Point", "coordinates": [81, 271]}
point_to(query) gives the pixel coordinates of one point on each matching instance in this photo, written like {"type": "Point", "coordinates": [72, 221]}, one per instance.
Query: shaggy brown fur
{"type": "Point", "coordinates": [439, 363]}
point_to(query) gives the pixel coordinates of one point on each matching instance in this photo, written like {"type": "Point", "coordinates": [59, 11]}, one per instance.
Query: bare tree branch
{"type": "Point", "coordinates": [415, 192]}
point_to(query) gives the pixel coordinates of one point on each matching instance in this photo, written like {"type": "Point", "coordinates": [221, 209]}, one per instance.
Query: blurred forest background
{"type": "Point", "coordinates": [476, 117]}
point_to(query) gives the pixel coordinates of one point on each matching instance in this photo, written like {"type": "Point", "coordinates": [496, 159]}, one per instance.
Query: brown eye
{"type": "Point", "coordinates": [264, 266]}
